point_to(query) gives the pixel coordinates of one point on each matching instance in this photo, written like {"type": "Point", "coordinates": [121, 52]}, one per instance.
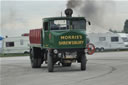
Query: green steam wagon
{"type": "Point", "coordinates": [62, 40]}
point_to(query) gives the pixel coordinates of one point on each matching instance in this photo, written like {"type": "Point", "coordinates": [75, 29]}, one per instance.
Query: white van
{"type": "Point", "coordinates": [108, 41]}
{"type": "Point", "coordinates": [15, 45]}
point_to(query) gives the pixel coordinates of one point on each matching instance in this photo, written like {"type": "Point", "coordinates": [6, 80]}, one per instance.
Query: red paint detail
{"type": "Point", "coordinates": [25, 34]}
{"type": "Point", "coordinates": [35, 36]}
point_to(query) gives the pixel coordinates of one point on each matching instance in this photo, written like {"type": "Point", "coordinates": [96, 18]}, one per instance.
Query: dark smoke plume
{"type": "Point", "coordinates": [73, 3]}
{"type": "Point", "coordinates": [93, 10]}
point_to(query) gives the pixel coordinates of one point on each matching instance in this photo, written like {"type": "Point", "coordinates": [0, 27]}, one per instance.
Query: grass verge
{"type": "Point", "coordinates": [13, 55]}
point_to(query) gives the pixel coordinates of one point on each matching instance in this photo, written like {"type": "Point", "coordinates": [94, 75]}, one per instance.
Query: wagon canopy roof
{"type": "Point", "coordinates": [62, 18]}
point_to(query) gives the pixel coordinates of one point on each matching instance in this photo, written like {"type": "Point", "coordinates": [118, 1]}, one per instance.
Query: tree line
{"type": "Point", "coordinates": [125, 29]}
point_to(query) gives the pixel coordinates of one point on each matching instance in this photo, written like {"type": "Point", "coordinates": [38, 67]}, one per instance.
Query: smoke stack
{"type": "Point", "coordinates": [68, 12]}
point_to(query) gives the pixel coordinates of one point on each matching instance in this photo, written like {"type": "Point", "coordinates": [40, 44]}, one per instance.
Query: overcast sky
{"type": "Point", "coordinates": [18, 17]}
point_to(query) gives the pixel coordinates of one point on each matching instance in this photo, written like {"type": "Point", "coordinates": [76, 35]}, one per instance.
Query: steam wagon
{"type": "Point", "coordinates": [62, 40]}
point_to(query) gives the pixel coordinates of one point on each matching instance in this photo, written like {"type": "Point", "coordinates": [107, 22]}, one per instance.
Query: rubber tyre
{"type": "Point", "coordinates": [102, 49]}
{"type": "Point", "coordinates": [97, 50]}
{"type": "Point", "coordinates": [50, 63]}
{"type": "Point", "coordinates": [35, 62]}
{"type": "Point", "coordinates": [83, 62]}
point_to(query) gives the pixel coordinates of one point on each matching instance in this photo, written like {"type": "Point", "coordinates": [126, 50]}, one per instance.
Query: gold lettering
{"type": "Point", "coordinates": [77, 37]}
{"type": "Point", "coordinates": [66, 37]}
{"type": "Point", "coordinates": [71, 42]}
{"type": "Point", "coordinates": [80, 36]}
{"type": "Point", "coordinates": [62, 37]}
{"type": "Point", "coordinates": [71, 37]}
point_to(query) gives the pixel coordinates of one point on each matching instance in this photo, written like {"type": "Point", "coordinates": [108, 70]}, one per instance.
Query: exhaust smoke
{"type": "Point", "coordinates": [73, 3]}
{"type": "Point", "coordinates": [93, 10]}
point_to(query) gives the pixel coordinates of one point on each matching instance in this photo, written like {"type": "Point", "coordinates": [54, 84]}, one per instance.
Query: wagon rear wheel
{"type": "Point", "coordinates": [83, 62]}
{"type": "Point", "coordinates": [34, 58]}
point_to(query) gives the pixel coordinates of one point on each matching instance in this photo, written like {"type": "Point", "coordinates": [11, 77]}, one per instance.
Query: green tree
{"type": "Point", "coordinates": [113, 31]}
{"type": "Point", "coordinates": [126, 26]}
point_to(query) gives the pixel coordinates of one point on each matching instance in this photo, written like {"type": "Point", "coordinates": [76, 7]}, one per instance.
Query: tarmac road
{"type": "Point", "coordinates": [110, 68]}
